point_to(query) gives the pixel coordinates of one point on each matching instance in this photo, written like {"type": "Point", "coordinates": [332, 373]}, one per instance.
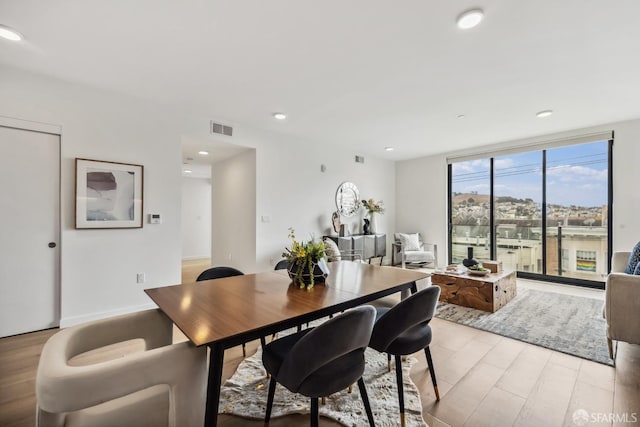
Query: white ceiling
{"type": "Point", "coordinates": [200, 165]}
{"type": "Point", "coordinates": [358, 74]}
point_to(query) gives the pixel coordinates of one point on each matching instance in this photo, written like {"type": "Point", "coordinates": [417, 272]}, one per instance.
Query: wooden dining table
{"type": "Point", "coordinates": [223, 313]}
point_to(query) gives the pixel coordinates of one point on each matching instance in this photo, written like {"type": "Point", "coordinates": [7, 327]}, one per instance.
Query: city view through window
{"type": "Point", "coordinates": [575, 179]}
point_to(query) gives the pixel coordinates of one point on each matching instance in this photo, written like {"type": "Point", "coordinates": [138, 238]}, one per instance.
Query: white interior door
{"type": "Point", "coordinates": [30, 230]}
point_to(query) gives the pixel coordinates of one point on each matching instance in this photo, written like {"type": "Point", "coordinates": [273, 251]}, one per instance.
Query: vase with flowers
{"type": "Point", "coordinates": [307, 262]}
{"type": "Point", "coordinates": [373, 208]}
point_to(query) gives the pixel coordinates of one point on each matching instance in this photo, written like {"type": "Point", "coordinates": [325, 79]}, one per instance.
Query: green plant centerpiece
{"type": "Point", "coordinates": [307, 262]}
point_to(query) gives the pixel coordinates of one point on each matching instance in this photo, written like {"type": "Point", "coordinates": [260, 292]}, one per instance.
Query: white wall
{"type": "Point", "coordinates": [421, 186]}
{"type": "Point", "coordinates": [98, 267]}
{"type": "Point", "coordinates": [293, 192]}
{"type": "Point", "coordinates": [196, 218]}
{"type": "Point", "coordinates": [233, 192]}
{"type": "Point", "coordinates": [421, 200]}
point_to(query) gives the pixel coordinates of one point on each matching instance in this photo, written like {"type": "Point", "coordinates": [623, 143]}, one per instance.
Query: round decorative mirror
{"type": "Point", "coordinates": [347, 199]}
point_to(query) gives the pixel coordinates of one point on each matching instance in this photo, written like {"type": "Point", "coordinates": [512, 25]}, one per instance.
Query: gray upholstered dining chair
{"type": "Point", "coordinates": [404, 329]}
{"type": "Point", "coordinates": [283, 264]}
{"type": "Point", "coordinates": [220, 273]}
{"type": "Point", "coordinates": [319, 361]}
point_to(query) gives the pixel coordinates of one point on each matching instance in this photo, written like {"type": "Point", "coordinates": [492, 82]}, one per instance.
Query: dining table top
{"type": "Point", "coordinates": [229, 309]}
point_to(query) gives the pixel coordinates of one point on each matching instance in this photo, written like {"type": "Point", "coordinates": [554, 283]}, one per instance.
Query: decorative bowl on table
{"type": "Point", "coordinates": [478, 270]}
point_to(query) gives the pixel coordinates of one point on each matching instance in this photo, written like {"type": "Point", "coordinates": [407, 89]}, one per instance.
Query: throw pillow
{"type": "Point", "coordinates": [410, 242]}
{"type": "Point", "coordinates": [637, 270]}
{"type": "Point", "coordinates": [634, 259]}
{"type": "Point", "coordinates": [331, 249]}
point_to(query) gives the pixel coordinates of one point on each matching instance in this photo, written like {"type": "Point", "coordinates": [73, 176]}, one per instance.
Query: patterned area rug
{"type": "Point", "coordinates": [245, 395]}
{"type": "Point", "coordinates": [566, 323]}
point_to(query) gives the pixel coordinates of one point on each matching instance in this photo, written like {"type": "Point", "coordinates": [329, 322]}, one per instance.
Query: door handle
{"type": "Point", "coordinates": [52, 244]}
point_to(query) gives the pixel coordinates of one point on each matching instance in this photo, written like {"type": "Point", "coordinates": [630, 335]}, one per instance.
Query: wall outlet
{"type": "Point", "coordinates": [140, 278]}
{"type": "Point", "coordinates": [230, 256]}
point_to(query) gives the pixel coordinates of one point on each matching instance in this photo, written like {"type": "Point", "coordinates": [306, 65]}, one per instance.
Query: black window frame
{"type": "Point", "coordinates": [529, 275]}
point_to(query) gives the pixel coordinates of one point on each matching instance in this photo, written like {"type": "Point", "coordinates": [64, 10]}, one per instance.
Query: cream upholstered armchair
{"type": "Point", "coordinates": [409, 249]}
{"type": "Point", "coordinates": [622, 303]}
{"type": "Point", "coordinates": [162, 385]}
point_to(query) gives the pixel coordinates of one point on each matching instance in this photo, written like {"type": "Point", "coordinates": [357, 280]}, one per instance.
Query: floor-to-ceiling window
{"type": "Point", "coordinates": [470, 209]}
{"type": "Point", "coordinates": [518, 211]}
{"type": "Point", "coordinates": [577, 185]}
{"type": "Point", "coordinates": [542, 212]}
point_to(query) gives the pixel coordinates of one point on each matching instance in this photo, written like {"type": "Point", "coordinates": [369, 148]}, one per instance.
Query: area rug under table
{"type": "Point", "coordinates": [245, 395]}
{"type": "Point", "coordinates": [566, 323]}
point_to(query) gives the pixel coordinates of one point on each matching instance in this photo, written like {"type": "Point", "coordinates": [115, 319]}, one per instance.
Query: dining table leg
{"type": "Point", "coordinates": [406, 292]}
{"type": "Point", "coordinates": [216, 358]}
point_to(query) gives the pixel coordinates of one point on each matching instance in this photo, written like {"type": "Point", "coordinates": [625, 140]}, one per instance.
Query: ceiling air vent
{"type": "Point", "coordinates": [359, 159]}
{"type": "Point", "coordinates": [221, 129]}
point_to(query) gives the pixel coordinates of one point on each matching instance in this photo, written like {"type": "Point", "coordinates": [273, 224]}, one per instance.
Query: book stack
{"type": "Point", "coordinates": [455, 269]}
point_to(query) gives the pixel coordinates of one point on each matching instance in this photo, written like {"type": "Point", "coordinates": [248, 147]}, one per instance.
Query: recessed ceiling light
{"type": "Point", "coordinates": [10, 34]}
{"type": "Point", "coordinates": [389, 148]}
{"type": "Point", "coordinates": [470, 18]}
{"type": "Point", "coordinates": [188, 171]}
{"type": "Point", "coordinates": [203, 153]}
{"type": "Point", "coordinates": [461, 116]}
{"type": "Point", "coordinates": [279, 116]}
{"type": "Point", "coordinates": [544, 113]}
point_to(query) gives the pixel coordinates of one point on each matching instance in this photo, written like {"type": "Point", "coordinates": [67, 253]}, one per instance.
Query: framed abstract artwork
{"type": "Point", "coordinates": [108, 194]}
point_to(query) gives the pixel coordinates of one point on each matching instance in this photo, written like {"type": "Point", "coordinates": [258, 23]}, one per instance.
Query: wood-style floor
{"type": "Point", "coordinates": [484, 380]}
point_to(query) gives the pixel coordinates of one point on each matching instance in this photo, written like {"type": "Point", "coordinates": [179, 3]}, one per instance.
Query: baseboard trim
{"type": "Point", "coordinates": [76, 320]}
{"type": "Point", "coordinates": [189, 258]}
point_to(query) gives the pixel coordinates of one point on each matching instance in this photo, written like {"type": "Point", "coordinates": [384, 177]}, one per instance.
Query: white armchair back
{"type": "Point", "coordinates": [164, 385]}
{"type": "Point", "coordinates": [408, 248]}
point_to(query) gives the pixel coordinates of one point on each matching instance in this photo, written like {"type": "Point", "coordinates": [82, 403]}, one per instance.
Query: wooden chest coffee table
{"type": "Point", "coordinates": [487, 293]}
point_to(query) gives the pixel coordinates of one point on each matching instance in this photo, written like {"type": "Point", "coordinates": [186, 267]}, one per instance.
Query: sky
{"type": "Point", "coordinates": [576, 175]}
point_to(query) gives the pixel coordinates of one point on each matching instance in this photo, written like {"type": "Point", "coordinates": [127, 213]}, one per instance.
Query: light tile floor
{"type": "Point", "coordinates": [484, 379]}
{"type": "Point", "coordinates": [489, 380]}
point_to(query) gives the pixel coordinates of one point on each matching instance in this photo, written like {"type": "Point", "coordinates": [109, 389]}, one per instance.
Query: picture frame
{"type": "Point", "coordinates": [108, 194]}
